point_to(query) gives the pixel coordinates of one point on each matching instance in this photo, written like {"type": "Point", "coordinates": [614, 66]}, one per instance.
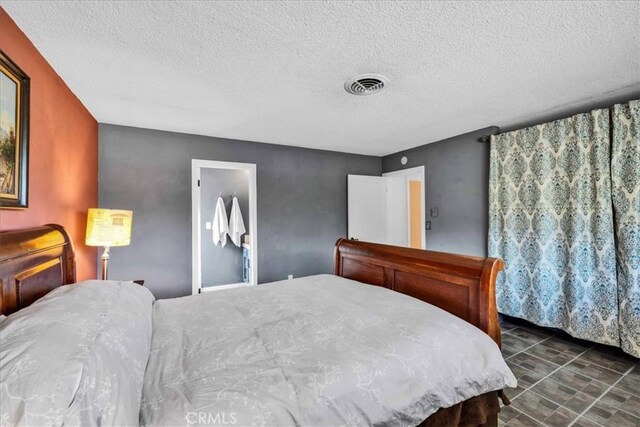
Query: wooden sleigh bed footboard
{"type": "Point", "coordinates": [33, 261]}
{"type": "Point", "coordinates": [462, 285]}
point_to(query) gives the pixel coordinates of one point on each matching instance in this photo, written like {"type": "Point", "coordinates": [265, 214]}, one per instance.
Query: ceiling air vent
{"type": "Point", "coordinates": [366, 84]}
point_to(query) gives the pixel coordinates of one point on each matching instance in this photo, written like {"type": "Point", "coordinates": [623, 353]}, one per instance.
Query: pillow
{"type": "Point", "coordinates": [77, 356]}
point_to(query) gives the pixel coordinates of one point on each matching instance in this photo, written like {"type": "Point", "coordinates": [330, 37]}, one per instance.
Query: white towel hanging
{"type": "Point", "coordinates": [236, 224]}
{"type": "Point", "coordinates": [220, 224]}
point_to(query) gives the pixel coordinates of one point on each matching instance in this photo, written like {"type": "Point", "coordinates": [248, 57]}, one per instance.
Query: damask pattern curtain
{"type": "Point", "coordinates": [625, 172]}
{"type": "Point", "coordinates": [551, 221]}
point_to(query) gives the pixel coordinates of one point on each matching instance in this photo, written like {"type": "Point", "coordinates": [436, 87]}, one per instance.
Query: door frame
{"type": "Point", "coordinates": [196, 221]}
{"type": "Point", "coordinates": [418, 170]}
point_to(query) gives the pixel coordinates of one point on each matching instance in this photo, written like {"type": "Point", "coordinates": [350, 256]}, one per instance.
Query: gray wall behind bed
{"type": "Point", "coordinates": [302, 203]}
{"type": "Point", "coordinates": [457, 183]}
{"type": "Point", "coordinates": [457, 176]}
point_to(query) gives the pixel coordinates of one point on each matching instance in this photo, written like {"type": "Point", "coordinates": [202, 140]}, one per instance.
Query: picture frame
{"type": "Point", "coordinates": [14, 135]}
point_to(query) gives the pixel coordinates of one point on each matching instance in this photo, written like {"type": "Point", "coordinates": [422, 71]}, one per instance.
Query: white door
{"type": "Point", "coordinates": [367, 208]}
{"type": "Point", "coordinates": [377, 209]}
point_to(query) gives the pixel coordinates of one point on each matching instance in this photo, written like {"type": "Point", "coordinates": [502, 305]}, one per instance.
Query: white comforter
{"type": "Point", "coordinates": [320, 350]}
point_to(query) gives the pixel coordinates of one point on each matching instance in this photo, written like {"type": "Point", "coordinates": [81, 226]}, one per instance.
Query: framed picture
{"type": "Point", "coordinates": [14, 134]}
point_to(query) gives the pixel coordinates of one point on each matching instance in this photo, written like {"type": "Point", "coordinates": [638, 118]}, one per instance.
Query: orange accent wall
{"type": "Point", "coordinates": [63, 151]}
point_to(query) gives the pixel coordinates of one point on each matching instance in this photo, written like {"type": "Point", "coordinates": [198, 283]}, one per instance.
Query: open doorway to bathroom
{"type": "Point", "coordinates": [224, 243]}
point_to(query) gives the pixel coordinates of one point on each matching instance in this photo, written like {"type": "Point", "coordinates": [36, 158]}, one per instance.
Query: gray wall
{"type": "Point", "coordinates": [457, 177]}
{"type": "Point", "coordinates": [457, 183]}
{"type": "Point", "coordinates": [222, 265]}
{"type": "Point", "coordinates": [301, 203]}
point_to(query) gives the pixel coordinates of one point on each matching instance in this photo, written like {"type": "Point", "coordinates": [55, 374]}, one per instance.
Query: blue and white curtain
{"type": "Point", "coordinates": [551, 221]}
{"type": "Point", "coordinates": [625, 173]}
{"type": "Point", "coordinates": [551, 213]}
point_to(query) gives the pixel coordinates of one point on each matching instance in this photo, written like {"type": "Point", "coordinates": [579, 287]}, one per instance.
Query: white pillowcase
{"type": "Point", "coordinates": [77, 356]}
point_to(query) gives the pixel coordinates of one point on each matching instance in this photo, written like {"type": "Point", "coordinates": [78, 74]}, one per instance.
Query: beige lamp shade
{"type": "Point", "coordinates": [108, 227]}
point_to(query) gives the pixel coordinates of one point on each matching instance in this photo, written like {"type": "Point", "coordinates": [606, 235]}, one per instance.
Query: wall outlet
{"type": "Point", "coordinates": [207, 225]}
{"type": "Point", "coordinates": [290, 277]}
{"type": "Point", "coordinates": [427, 226]}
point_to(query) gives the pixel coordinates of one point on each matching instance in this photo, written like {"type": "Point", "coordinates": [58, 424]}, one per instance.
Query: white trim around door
{"type": "Point", "coordinates": [196, 223]}
{"type": "Point", "coordinates": [415, 173]}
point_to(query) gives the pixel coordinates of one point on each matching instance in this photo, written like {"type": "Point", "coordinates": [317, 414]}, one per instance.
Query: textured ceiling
{"type": "Point", "coordinates": [274, 71]}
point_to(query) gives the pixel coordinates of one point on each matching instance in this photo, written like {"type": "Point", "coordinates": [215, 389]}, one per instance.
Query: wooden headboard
{"type": "Point", "coordinates": [462, 285]}
{"type": "Point", "coordinates": [33, 262]}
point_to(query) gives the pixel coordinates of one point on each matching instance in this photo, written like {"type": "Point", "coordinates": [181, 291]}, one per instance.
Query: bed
{"type": "Point", "coordinates": [354, 348]}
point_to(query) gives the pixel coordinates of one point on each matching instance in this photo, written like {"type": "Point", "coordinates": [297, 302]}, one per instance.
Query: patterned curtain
{"type": "Point", "coordinates": [551, 220]}
{"type": "Point", "coordinates": [625, 171]}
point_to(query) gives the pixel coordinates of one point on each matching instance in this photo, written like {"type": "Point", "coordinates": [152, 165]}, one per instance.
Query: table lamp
{"type": "Point", "coordinates": [108, 227]}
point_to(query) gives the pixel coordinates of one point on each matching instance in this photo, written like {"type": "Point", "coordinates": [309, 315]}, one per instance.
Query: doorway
{"type": "Point", "coordinates": [224, 231]}
{"type": "Point", "coordinates": [416, 217]}
{"type": "Point", "coordinates": [389, 209]}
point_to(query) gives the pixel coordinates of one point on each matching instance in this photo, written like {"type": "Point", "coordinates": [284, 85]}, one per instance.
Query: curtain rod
{"type": "Point", "coordinates": [487, 138]}
{"type": "Point", "coordinates": [608, 104]}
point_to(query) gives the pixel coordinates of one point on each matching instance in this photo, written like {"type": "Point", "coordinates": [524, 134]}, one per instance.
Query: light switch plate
{"type": "Point", "coordinates": [427, 226]}
{"type": "Point", "coordinates": [207, 225]}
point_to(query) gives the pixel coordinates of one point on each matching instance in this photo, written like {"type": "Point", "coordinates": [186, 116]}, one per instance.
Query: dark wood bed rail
{"type": "Point", "coordinates": [33, 262]}
{"type": "Point", "coordinates": [462, 285]}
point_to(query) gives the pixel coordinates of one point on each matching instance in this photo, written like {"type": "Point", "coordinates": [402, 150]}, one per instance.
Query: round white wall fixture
{"type": "Point", "coordinates": [404, 160]}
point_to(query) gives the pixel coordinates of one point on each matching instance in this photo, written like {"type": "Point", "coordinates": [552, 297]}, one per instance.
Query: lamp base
{"type": "Point", "coordinates": [105, 262]}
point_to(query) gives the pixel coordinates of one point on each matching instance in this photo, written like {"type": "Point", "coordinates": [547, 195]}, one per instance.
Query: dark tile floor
{"type": "Point", "coordinates": [563, 381]}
